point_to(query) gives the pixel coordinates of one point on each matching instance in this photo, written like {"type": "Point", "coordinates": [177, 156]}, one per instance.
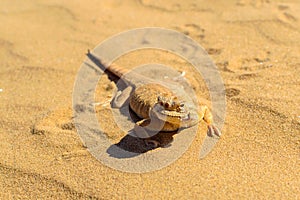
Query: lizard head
{"type": "Point", "coordinates": [170, 109]}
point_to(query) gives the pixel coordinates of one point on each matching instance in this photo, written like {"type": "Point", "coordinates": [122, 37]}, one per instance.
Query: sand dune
{"type": "Point", "coordinates": [254, 43]}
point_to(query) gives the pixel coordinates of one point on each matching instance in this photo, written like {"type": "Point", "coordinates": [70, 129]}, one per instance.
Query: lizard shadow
{"type": "Point", "coordinates": [103, 68]}
{"type": "Point", "coordinates": [134, 146]}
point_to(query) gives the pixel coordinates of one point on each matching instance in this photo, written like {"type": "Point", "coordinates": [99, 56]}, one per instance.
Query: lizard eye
{"type": "Point", "coordinates": [181, 104]}
{"type": "Point", "coordinates": [159, 99]}
{"type": "Point", "coordinates": [167, 105]}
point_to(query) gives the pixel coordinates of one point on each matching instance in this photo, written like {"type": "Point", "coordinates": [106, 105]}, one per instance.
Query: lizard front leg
{"type": "Point", "coordinates": [142, 132]}
{"type": "Point", "coordinates": [206, 115]}
{"type": "Point", "coordinates": [121, 97]}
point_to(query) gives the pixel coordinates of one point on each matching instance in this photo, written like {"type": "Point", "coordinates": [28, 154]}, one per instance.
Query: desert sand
{"type": "Point", "coordinates": [255, 45]}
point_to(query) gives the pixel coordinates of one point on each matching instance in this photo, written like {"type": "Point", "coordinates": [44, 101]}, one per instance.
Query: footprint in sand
{"type": "Point", "coordinates": [285, 14]}
{"type": "Point", "coordinates": [169, 6]}
{"type": "Point", "coordinates": [214, 51]}
{"type": "Point", "coordinates": [224, 66]}
{"type": "Point", "coordinates": [8, 48]}
{"type": "Point", "coordinates": [232, 92]}
{"type": "Point", "coordinates": [247, 76]}
{"type": "Point", "coordinates": [256, 63]}
{"type": "Point", "coordinates": [58, 120]}
{"type": "Point", "coordinates": [193, 30]}
{"type": "Point", "coordinates": [286, 22]}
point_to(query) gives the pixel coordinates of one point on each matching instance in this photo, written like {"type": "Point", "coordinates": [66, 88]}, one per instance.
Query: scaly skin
{"type": "Point", "coordinates": [158, 107]}
{"type": "Point", "coordinates": [156, 102]}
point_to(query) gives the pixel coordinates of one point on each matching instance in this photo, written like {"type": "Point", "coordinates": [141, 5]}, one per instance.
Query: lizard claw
{"type": "Point", "coordinates": [213, 131]}
{"type": "Point", "coordinates": [153, 143]}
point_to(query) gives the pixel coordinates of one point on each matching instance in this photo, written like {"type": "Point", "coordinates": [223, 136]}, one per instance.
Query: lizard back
{"type": "Point", "coordinates": [145, 97]}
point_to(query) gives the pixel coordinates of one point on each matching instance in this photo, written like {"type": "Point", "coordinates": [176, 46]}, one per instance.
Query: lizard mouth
{"type": "Point", "coordinates": [173, 116]}
{"type": "Point", "coordinates": [182, 119]}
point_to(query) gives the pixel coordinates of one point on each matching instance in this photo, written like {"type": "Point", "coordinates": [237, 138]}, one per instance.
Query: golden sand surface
{"type": "Point", "coordinates": [254, 43]}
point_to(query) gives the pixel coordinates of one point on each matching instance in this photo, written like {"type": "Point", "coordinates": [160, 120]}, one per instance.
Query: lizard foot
{"type": "Point", "coordinates": [152, 143]}
{"type": "Point", "coordinates": [213, 131]}
{"type": "Point", "coordinates": [147, 128]}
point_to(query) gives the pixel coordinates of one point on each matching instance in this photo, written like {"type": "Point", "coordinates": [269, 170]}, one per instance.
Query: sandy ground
{"type": "Point", "coordinates": [255, 44]}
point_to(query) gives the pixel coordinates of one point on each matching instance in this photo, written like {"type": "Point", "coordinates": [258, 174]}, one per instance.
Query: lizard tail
{"type": "Point", "coordinates": [117, 70]}
{"type": "Point", "coordinates": [113, 68]}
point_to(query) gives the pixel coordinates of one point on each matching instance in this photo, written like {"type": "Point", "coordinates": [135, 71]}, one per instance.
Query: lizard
{"type": "Point", "coordinates": [157, 106]}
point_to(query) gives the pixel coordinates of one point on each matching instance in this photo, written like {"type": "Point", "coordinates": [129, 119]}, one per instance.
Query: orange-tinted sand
{"type": "Point", "coordinates": [255, 44]}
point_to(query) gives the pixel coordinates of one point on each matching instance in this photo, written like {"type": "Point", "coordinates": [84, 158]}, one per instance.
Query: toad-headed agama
{"type": "Point", "coordinates": [159, 109]}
